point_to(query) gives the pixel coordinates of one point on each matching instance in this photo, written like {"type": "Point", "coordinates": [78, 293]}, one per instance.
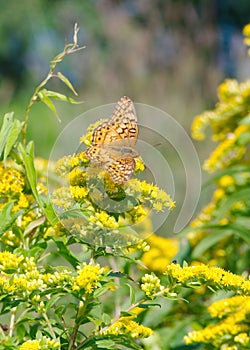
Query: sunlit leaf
{"type": "Point", "coordinates": [7, 217]}
{"type": "Point", "coordinates": [66, 82]}
{"type": "Point", "coordinates": [5, 129]}
{"type": "Point", "coordinates": [27, 156]}
{"type": "Point", "coordinates": [12, 137]}
{"type": "Point", "coordinates": [46, 100]}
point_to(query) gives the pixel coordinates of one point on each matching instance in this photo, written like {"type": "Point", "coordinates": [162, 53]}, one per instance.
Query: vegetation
{"type": "Point", "coordinates": [62, 288]}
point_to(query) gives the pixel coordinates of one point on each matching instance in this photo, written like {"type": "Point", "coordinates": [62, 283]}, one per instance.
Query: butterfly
{"type": "Point", "coordinates": [113, 142]}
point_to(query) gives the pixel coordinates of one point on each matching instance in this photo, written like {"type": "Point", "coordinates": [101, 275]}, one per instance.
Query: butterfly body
{"type": "Point", "coordinates": [113, 142]}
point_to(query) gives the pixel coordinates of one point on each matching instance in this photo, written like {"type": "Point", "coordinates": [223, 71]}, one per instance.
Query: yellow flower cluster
{"type": "Point", "coordinates": [42, 344]}
{"type": "Point", "coordinates": [215, 335]}
{"type": "Point", "coordinates": [19, 275]}
{"type": "Point", "coordinates": [103, 219]}
{"type": "Point", "coordinates": [151, 284]}
{"type": "Point", "coordinates": [214, 276]}
{"type": "Point", "coordinates": [68, 163]}
{"type": "Point", "coordinates": [88, 278]}
{"type": "Point", "coordinates": [229, 122]}
{"type": "Point", "coordinates": [77, 177]}
{"type": "Point", "coordinates": [88, 194]}
{"type": "Point", "coordinates": [228, 114]}
{"type": "Point", "coordinates": [238, 306]}
{"type": "Point", "coordinates": [11, 188]}
{"type": "Point", "coordinates": [79, 192]}
{"type": "Point", "coordinates": [62, 198]}
{"type": "Point", "coordinates": [162, 251]}
{"type": "Point", "coordinates": [228, 152]}
{"type": "Point", "coordinates": [149, 192]}
{"type": "Point", "coordinates": [246, 32]}
{"type": "Point", "coordinates": [9, 261]}
{"type": "Point", "coordinates": [30, 345]}
{"type": "Point", "coordinates": [231, 330]}
{"type": "Point", "coordinates": [126, 326]}
{"type": "Point", "coordinates": [227, 185]}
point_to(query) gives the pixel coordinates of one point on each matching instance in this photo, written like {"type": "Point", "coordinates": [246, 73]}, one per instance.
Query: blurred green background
{"type": "Point", "coordinates": [169, 54]}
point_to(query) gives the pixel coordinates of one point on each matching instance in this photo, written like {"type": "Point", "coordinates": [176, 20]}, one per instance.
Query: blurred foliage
{"type": "Point", "coordinates": [159, 53]}
{"type": "Point", "coordinates": [57, 291]}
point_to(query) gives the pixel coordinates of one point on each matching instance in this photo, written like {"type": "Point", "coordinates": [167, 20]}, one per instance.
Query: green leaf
{"type": "Point", "coordinates": [27, 157]}
{"type": "Point", "coordinates": [67, 254]}
{"type": "Point", "coordinates": [5, 129]}
{"type": "Point", "coordinates": [46, 100]}
{"type": "Point", "coordinates": [106, 318]}
{"type": "Point", "coordinates": [105, 344]}
{"type": "Point", "coordinates": [240, 231]}
{"type": "Point", "coordinates": [210, 240]}
{"type": "Point", "coordinates": [34, 224]}
{"type": "Point", "coordinates": [66, 82]}
{"type": "Point", "coordinates": [131, 293]}
{"type": "Point", "coordinates": [117, 274]}
{"type": "Point", "coordinates": [7, 218]}
{"type": "Point", "coordinates": [12, 137]}
{"type": "Point", "coordinates": [49, 211]}
{"type": "Point", "coordinates": [102, 290]}
{"type": "Point", "coordinates": [146, 306]}
{"type": "Point", "coordinates": [57, 96]}
{"type": "Point", "coordinates": [52, 300]}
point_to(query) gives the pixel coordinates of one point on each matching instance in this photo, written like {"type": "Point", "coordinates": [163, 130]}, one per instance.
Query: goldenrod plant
{"type": "Point", "coordinates": [77, 274]}
{"type": "Point", "coordinates": [51, 296]}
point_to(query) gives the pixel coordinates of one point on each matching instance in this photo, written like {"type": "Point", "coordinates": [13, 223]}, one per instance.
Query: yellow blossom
{"type": "Point", "coordinates": [243, 339]}
{"type": "Point", "coordinates": [139, 165]}
{"type": "Point", "coordinates": [151, 284]}
{"type": "Point", "coordinates": [88, 278]}
{"type": "Point", "coordinates": [233, 314]}
{"type": "Point", "coordinates": [77, 177]}
{"type": "Point", "coordinates": [30, 345]}
{"type": "Point", "coordinates": [79, 192]}
{"type": "Point", "coordinates": [228, 151]}
{"type": "Point", "coordinates": [228, 89]}
{"type": "Point", "coordinates": [226, 181]}
{"type": "Point", "coordinates": [199, 125]}
{"type": "Point", "coordinates": [9, 261]}
{"type": "Point", "coordinates": [246, 32]}
{"type": "Point", "coordinates": [104, 219]}
{"type": "Point", "coordinates": [125, 325]}
{"type": "Point", "coordinates": [212, 275]}
{"type": "Point", "coordinates": [162, 251]}
{"type": "Point", "coordinates": [211, 334]}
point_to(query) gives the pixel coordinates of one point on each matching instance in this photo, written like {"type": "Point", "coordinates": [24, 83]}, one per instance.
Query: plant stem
{"type": "Point", "coordinates": [12, 321]}
{"type": "Point", "coordinates": [49, 325]}
{"type": "Point", "coordinates": [81, 309]}
{"type": "Point", "coordinates": [68, 49]}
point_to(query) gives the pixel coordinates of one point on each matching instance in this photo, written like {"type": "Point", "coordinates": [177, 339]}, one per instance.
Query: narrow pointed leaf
{"type": "Point", "coordinates": [47, 101]}
{"type": "Point", "coordinates": [12, 137]}
{"type": "Point", "coordinates": [27, 156]}
{"type": "Point", "coordinates": [209, 241]}
{"type": "Point", "coordinates": [5, 129]}
{"type": "Point", "coordinates": [60, 97]}
{"type": "Point", "coordinates": [66, 82]}
{"type": "Point", "coordinates": [7, 217]}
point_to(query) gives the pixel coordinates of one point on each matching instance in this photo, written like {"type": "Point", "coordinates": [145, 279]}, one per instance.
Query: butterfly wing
{"type": "Point", "coordinates": [121, 126]}
{"type": "Point", "coordinates": [113, 142]}
{"type": "Point", "coordinates": [121, 170]}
